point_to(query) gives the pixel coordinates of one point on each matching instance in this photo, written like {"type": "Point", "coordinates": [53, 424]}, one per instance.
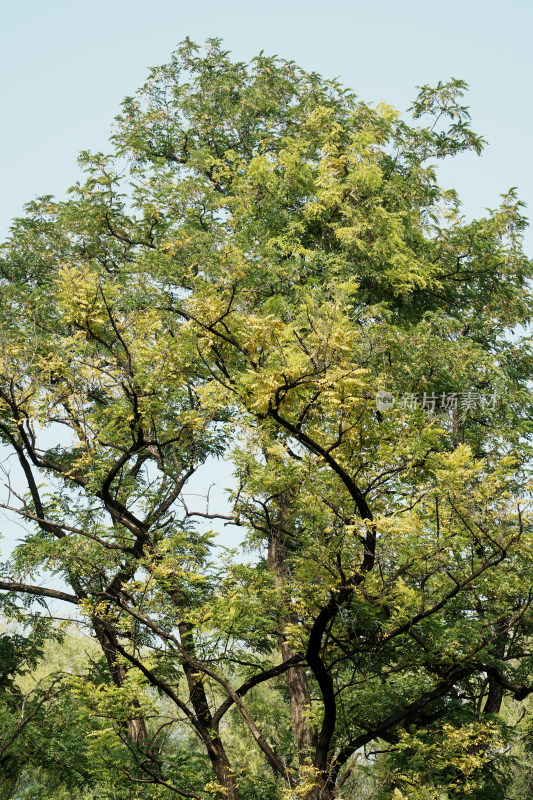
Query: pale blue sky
{"type": "Point", "coordinates": [66, 65]}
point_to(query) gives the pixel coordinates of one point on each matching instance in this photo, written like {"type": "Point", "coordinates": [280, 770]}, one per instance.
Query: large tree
{"type": "Point", "coordinates": [259, 259]}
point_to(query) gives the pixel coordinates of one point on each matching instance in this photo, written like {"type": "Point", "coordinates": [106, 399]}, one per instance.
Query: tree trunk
{"type": "Point", "coordinates": [494, 699]}
{"type": "Point", "coordinates": [223, 771]}
{"type": "Point", "coordinates": [215, 748]}
{"type": "Point", "coordinates": [136, 726]}
{"type": "Point", "coordinates": [297, 684]}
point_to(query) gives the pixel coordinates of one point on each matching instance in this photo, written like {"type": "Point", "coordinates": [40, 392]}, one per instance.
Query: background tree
{"type": "Point", "coordinates": [43, 744]}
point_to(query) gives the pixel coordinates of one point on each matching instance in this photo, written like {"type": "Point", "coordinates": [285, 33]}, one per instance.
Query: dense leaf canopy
{"type": "Point", "coordinates": [265, 274]}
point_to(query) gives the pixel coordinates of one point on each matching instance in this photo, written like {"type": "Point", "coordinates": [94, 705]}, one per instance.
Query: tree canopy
{"type": "Point", "coordinates": [265, 274]}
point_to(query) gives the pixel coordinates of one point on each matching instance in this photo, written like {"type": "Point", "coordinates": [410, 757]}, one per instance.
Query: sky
{"type": "Point", "coordinates": [65, 66]}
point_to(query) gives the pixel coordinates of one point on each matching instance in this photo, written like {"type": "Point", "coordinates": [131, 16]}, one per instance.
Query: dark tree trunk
{"type": "Point", "coordinates": [210, 736]}
{"type": "Point", "coordinates": [297, 684]}
{"type": "Point", "coordinates": [136, 726]}
{"type": "Point", "coordinates": [494, 698]}
{"type": "Point", "coordinates": [223, 771]}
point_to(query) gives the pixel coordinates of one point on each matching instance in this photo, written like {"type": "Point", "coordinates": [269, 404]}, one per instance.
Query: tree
{"type": "Point", "coordinates": [259, 259]}
{"type": "Point", "coordinates": [43, 746]}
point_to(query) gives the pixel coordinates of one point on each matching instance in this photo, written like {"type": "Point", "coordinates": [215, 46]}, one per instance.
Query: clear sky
{"type": "Point", "coordinates": [66, 65]}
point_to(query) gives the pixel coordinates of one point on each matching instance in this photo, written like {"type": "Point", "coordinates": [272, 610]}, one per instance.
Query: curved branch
{"type": "Point", "coordinates": [39, 591]}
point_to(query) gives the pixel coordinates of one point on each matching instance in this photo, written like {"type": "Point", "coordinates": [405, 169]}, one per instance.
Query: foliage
{"type": "Point", "coordinates": [262, 256]}
{"type": "Point", "coordinates": [42, 746]}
